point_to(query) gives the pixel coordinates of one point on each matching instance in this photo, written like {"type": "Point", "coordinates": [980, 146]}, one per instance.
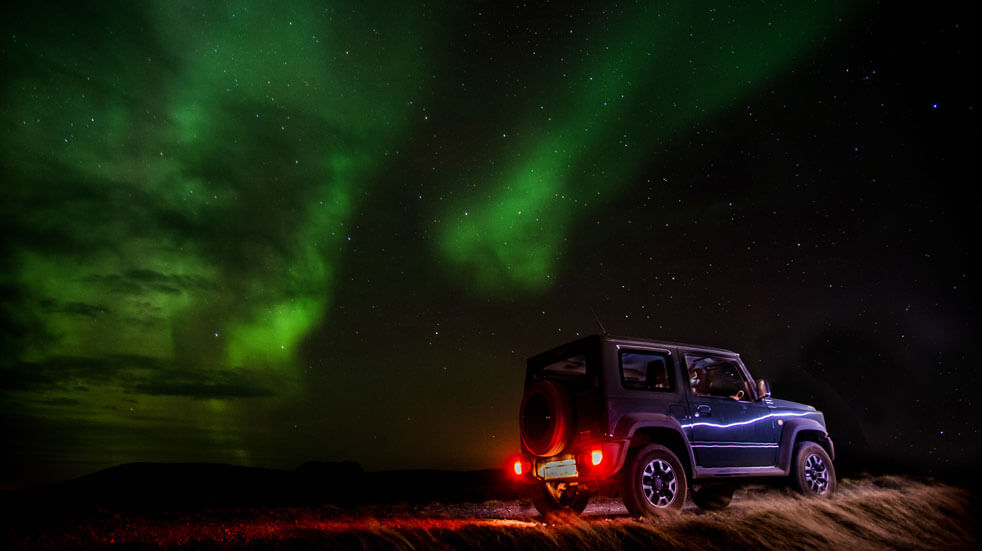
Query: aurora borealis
{"type": "Point", "coordinates": [189, 262]}
{"type": "Point", "coordinates": [675, 67]}
{"type": "Point", "coordinates": [265, 233]}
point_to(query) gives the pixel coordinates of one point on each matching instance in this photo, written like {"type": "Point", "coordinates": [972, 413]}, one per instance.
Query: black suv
{"type": "Point", "coordinates": [652, 419]}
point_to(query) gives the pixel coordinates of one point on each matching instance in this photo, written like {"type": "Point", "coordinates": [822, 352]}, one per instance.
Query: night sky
{"type": "Point", "coordinates": [265, 233]}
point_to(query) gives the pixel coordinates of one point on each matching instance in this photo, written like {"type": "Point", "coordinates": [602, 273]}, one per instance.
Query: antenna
{"type": "Point", "coordinates": [600, 323]}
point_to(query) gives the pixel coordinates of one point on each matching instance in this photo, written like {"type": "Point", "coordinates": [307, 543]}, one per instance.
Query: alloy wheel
{"type": "Point", "coordinates": [659, 484]}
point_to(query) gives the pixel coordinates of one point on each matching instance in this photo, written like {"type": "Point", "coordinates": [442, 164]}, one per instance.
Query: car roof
{"type": "Point", "coordinates": [636, 341]}
{"type": "Point", "coordinates": [649, 342]}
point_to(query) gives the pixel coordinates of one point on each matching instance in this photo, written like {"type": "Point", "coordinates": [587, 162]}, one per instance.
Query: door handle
{"type": "Point", "coordinates": [702, 410]}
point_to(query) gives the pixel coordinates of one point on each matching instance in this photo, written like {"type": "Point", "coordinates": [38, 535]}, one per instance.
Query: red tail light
{"type": "Point", "coordinates": [521, 467]}
{"type": "Point", "coordinates": [518, 468]}
{"type": "Point", "coordinates": [596, 457]}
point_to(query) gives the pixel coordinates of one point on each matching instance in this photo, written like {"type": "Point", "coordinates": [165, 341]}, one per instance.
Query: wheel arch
{"type": "Point", "coordinates": [801, 430]}
{"type": "Point", "coordinates": [653, 428]}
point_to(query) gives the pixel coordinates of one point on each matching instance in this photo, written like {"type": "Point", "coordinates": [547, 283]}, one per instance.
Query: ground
{"type": "Point", "coordinates": [867, 513]}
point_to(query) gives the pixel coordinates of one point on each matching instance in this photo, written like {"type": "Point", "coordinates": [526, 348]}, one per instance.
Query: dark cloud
{"type": "Point", "coordinates": [202, 387]}
{"type": "Point", "coordinates": [55, 401]}
{"type": "Point", "coordinates": [134, 374]}
{"type": "Point", "coordinates": [21, 327]}
{"type": "Point", "coordinates": [57, 373]}
{"type": "Point", "coordinates": [141, 281]}
{"type": "Point", "coordinates": [74, 308]}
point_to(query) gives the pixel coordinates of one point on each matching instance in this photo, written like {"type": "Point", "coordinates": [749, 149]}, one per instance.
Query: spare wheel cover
{"type": "Point", "coordinates": [546, 418]}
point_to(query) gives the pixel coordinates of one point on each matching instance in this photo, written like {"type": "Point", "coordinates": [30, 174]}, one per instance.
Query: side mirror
{"type": "Point", "coordinates": [763, 389]}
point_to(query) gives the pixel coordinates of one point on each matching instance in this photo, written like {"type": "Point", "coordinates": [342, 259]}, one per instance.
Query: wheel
{"type": "Point", "coordinates": [653, 481]}
{"type": "Point", "coordinates": [813, 472]}
{"type": "Point", "coordinates": [713, 498]}
{"type": "Point", "coordinates": [556, 497]}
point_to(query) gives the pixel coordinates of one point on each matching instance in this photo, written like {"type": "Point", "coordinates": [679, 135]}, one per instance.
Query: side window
{"type": "Point", "coordinates": [710, 376]}
{"type": "Point", "coordinates": [646, 370]}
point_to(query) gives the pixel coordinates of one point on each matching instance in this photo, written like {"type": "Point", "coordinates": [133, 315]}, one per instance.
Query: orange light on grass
{"type": "Point", "coordinates": [596, 457]}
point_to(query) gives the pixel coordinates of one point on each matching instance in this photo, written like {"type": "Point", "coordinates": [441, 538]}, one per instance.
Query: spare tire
{"type": "Point", "coordinates": [546, 418]}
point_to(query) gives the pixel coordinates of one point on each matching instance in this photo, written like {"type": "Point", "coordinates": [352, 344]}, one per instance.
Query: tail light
{"type": "Point", "coordinates": [596, 456]}
{"type": "Point", "coordinates": [600, 460]}
{"type": "Point", "coordinates": [521, 467]}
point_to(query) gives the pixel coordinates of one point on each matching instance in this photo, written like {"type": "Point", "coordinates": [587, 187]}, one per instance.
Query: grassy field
{"type": "Point", "coordinates": [871, 513]}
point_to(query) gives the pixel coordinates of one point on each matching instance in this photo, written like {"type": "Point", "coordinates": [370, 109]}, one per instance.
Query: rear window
{"type": "Point", "coordinates": [646, 370]}
{"type": "Point", "coordinates": [573, 366]}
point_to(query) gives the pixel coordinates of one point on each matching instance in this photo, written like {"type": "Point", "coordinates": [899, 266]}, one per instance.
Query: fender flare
{"type": "Point", "coordinates": [628, 425]}
{"type": "Point", "coordinates": [790, 432]}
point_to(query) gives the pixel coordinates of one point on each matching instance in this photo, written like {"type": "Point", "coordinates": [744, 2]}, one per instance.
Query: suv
{"type": "Point", "coordinates": [651, 420]}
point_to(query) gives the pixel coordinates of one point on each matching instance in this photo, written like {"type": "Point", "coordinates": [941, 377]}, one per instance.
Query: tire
{"type": "Point", "coordinates": [813, 473]}
{"type": "Point", "coordinates": [550, 498]}
{"type": "Point", "coordinates": [713, 498]}
{"type": "Point", "coordinates": [653, 481]}
{"type": "Point", "coordinates": [546, 418]}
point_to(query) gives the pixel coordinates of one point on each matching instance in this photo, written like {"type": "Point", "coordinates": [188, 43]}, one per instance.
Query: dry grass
{"type": "Point", "coordinates": [874, 513]}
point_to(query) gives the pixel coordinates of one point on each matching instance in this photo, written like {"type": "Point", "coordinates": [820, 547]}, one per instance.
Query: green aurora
{"type": "Point", "coordinates": [660, 69]}
{"type": "Point", "coordinates": [181, 184]}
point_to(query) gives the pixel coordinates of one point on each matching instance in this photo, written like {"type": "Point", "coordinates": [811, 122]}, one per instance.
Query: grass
{"type": "Point", "coordinates": [870, 513]}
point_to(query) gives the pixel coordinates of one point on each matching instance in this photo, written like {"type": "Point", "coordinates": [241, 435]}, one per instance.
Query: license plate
{"type": "Point", "coordinates": [558, 469]}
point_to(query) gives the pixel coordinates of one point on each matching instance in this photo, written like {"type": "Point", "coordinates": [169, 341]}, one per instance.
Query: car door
{"type": "Point", "coordinates": [726, 426]}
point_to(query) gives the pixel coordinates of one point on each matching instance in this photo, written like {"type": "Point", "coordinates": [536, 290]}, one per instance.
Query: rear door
{"type": "Point", "coordinates": [726, 426]}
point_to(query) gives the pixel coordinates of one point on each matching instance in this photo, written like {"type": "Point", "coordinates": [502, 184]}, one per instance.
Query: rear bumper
{"type": "Point", "coordinates": [578, 464]}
